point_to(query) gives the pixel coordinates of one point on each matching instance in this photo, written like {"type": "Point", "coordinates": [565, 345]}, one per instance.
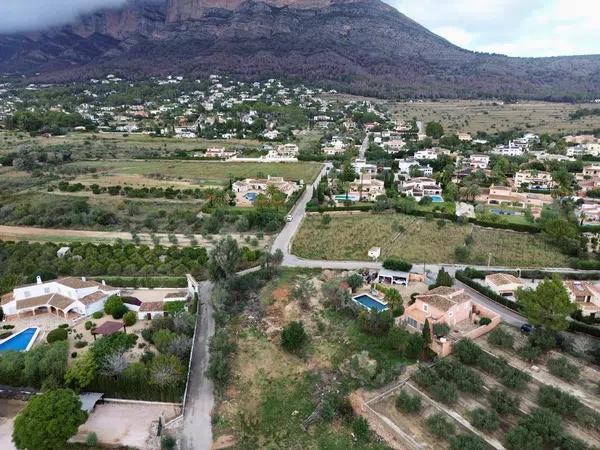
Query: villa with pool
{"type": "Point", "coordinates": [68, 297]}
{"type": "Point", "coordinates": [420, 187]}
{"type": "Point", "coordinates": [246, 191]}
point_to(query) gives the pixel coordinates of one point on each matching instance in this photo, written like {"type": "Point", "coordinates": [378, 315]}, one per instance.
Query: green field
{"type": "Point", "coordinates": [203, 172]}
{"type": "Point", "coordinates": [420, 241]}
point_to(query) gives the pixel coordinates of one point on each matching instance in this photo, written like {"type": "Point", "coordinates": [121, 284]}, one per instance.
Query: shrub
{"type": "Point", "coordinates": [501, 338]}
{"type": "Point", "coordinates": [64, 325]}
{"type": "Point", "coordinates": [514, 378]}
{"type": "Point", "coordinates": [485, 321]}
{"type": "Point", "coordinates": [467, 351]}
{"type": "Point", "coordinates": [167, 442]}
{"type": "Point", "coordinates": [558, 401]}
{"type": "Point", "coordinates": [562, 368]}
{"type": "Point", "coordinates": [502, 402]}
{"type": "Point", "coordinates": [293, 336]}
{"type": "Point", "coordinates": [91, 440]}
{"type": "Point", "coordinates": [129, 318]}
{"type": "Point", "coordinates": [463, 377]}
{"type": "Point", "coordinates": [408, 403]}
{"type": "Point", "coordinates": [58, 334]}
{"type": "Point", "coordinates": [444, 392]}
{"type": "Point", "coordinates": [519, 438]}
{"type": "Point", "coordinates": [80, 344]}
{"type": "Point", "coordinates": [98, 315]}
{"type": "Point", "coordinates": [543, 338]}
{"type": "Point", "coordinates": [360, 428]}
{"type": "Point", "coordinates": [119, 311]}
{"type": "Point", "coordinates": [397, 264]}
{"type": "Point", "coordinates": [74, 355]}
{"type": "Point", "coordinates": [530, 353]}
{"type": "Point", "coordinates": [485, 420]}
{"type": "Point", "coordinates": [467, 442]}
{"type": "Point", "coordinates": [8, 327]}
{"type": "Point", "coordinates": [441, 329]}
{"type": "Point", "coordinates": [113, 304]}
{"type": "Point", "coordinates": [88, 325]}
{"type": "Point", "coordinates": [439, 426]}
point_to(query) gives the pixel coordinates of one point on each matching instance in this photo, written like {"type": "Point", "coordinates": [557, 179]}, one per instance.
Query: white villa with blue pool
{"type": "Point", "coordinates": [420, 187]}
{"type": "Point", "coordinates": [65, 297]}
{"type": "Point", "coordinates": [247, 190]}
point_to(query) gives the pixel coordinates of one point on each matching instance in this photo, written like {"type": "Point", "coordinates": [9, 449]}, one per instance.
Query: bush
{"type": "Point", "coordinates": [113, 304]}
{"type": "Point", "coordinates": [562, 368]}
{"type": "Point", "coordinates": [119, 312]}
{"type": "Point", "coordinates": [545, 424]}
{"type": "Point", "coordinates": [88, 325]}
{"type": "Point", "coordinates": [91, 440]}
{"type": "Point", "coordinates": [501, 338]}
{"type": "Point", "coordinates": [397, 264]}
{"type": "Point", "coordinates": [514, 378]}
{"type": "Point", "coordinates": [58, 334]}
{"type": "Point", "coordinates": [8, 327]}
{"type": "Point", "coordinates": [167, 442]}
{"type": "Point", "coordinates": [444, 392]}
{"type": "Point", "coordinates": [293, 337]}
{"type": "Point", "coordinates": [408, 403]}
{"type": "Point", "coordinates": [485, 420]}
{"type": "Point", "coordinates": [80, 344]}
{"type": "Point", "coordinates": [558, 401]}
{"type": "Point", "coordinates": [485, 321]}
{"type": "Point", "coordinates": [129, 318]}
{"type": "Point", "coordinates": [467, 351]}
{"type": "Point", "coordinates": [502, 402]}
{"type": "Point", "coordinates": [519, 438]}
{"type": "Point", "coordinates": [530, 353]}
{"type": "Point", "coordinates": [467, 442]}
{"type": "Point", "coordinates": [74, 355]}
{"type": "Point", "coordinates": [441, 329]}
{"type": "Point", "coordinates": [439, 426]}
{"type": "Point", "coordinates": [98, 315]}
{"type": "Point", "coordinates": [360, 428]}
{"type": "Point", "coordinates": [543, 338]}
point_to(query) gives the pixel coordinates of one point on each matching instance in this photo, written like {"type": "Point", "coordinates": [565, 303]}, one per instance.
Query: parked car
{"type": "Point", "coordinates": [526, 328]}
{"type": "Point", "coordinates": [288, 218]}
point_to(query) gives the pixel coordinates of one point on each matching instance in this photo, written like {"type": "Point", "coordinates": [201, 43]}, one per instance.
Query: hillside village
{"type": "Point", "coordinates": [373, 280]}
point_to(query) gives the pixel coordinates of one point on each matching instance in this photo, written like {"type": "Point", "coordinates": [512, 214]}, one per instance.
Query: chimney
{"type": "Point", "coordinates": [83, 279]}
{"type": "Point", "coordinates": [38, 280]}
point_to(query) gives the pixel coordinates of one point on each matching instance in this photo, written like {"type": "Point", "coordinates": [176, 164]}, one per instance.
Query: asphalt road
{"type": "Point", "coordinates": [197, 427]}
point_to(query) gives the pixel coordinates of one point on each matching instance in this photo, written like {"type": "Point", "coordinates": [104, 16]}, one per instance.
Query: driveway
{"type": "Point", "coordinates": [126, 424]}
{"type": "Point", "coordinates": [199, 401]}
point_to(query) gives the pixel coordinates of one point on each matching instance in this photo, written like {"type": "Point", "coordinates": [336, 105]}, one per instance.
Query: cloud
{"type": "Point", "coordinates": [34, 15]}
{"type": "Point", "coordinates": [512, 27]}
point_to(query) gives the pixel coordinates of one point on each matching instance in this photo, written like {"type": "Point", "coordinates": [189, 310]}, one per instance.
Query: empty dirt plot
{"type": "Point", "coordinates": [202, 172]}
{"type": "Point", "coordinates": [349, 237]}
{"type": "Point", "coordinates": [492, 117]}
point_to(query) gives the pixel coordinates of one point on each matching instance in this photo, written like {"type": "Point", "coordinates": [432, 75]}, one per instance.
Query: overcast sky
{"type": "Point", "coordinates": [512, 27]}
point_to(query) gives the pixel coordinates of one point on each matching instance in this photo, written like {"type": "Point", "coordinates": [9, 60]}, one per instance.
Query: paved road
{"type": "Point", "coordinates": [508, 315]}
{"type": "Point", "coordinates": [197, 428]}
{"type": "Point", "coordinates": [363, 147]}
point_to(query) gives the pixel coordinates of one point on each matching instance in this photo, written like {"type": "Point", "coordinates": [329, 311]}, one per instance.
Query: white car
{"type": "Point", "coordinates": [288, 218]}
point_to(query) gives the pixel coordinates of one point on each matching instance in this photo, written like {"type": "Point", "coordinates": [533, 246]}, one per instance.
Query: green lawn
{"type": "Point", "coordinates": [419, 241]}
{"type": "Point", "coordinates": [205, 171]}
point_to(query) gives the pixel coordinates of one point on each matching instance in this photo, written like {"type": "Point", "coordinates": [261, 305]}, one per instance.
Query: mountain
{"type": "Point", "coordinates": [361, 46]}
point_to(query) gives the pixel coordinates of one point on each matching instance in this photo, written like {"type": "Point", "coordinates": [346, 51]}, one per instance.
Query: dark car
{"type": "Point", "coordinates": [526, 328]}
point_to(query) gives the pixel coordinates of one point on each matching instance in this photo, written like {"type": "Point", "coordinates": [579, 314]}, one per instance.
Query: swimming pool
{"type": "Point", "coordinates": [250, 196]}
{"type": "Point", "coordinates": [370, 303]}
{"type": "Point", "coordinates": [343, 198]}
{"type": "Point", "coordinates": [437, 199]}
{"type": "Point", "coordinates": [504, 212]}
{"type": "Point", "coordinates": [22, 341]}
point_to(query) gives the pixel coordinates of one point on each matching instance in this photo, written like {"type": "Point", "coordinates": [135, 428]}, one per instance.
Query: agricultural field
{"type": "Point", "coordinates": [199, 173]}
{"type": "Point", "coordinates": [119, 143]}
{"type": "Point", "coordinates": [491, 117]}
{"type": "Point", "coordinates": [494, 400]}
{"type": "Point", "coordinates": [349, 237]}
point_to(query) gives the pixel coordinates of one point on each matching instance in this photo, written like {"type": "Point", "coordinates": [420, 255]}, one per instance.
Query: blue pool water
{"type": "Point", "coordinates": [19, 341]}
{"type": "Point", "coordinates": [370, 303]}
{"type": "Point", "coordinates": [437, 199]}
{"type": "Point", "coordinates": [342, 198]}
{"type": "Point", "coordinates": [251, 196]}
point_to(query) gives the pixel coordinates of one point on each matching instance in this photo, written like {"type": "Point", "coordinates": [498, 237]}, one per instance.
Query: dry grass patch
{"type": "Point", "coordinates": [349, 237]}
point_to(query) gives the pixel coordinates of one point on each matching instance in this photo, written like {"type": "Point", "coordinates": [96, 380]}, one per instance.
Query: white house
{"type": "Point", "coordinates": [421, 187]}
{"type": "Point", "coordinates": [511, 149]}
{"type": "Point", "coordinates": [534, 179]}
{"type": "Point", "coordinates": [478, 161]}
{"type": "Point", "coordinates": [62, 296]}
{"type": "Point", "coordinates": [428, 153]}
{"type": "Point", "coordinates": [287, 150]}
